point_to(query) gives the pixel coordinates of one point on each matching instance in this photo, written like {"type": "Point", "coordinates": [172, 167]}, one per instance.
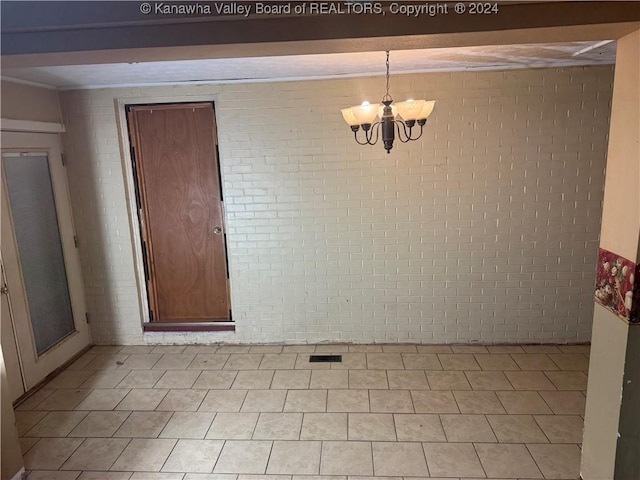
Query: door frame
{"type": "Point", "coordinates": [135, 226]}
{"type": "Point", "coordinates": [33, 364]}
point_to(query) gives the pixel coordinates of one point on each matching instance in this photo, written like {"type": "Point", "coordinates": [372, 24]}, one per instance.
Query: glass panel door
{"type": "Point", "coordinates": [37, 234]}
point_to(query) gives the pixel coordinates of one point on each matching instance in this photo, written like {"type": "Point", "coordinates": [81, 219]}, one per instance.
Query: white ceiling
{"type": "Point", "coordinates": [281, 68]}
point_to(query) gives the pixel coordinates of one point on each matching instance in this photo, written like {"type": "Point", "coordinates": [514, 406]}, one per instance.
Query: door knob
{"type": "Point", "coordinates": [4, 289]}
{"type": "Point", "coordinates": [217, 230]}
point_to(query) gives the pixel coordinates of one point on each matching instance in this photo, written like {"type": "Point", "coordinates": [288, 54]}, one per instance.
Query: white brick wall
{"type": "Point", "coordinates": [485, 230]}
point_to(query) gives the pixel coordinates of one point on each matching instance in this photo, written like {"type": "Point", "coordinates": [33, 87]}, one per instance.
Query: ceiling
{"type": "Point", "coordinates": [316, 66]}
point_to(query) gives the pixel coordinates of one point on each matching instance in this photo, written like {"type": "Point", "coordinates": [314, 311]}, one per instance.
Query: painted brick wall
{"type": "Point", "coordinates": [485, 230]}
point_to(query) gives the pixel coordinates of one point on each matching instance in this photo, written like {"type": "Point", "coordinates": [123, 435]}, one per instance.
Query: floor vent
{"type": "Point", "coordinates": [325, 358]}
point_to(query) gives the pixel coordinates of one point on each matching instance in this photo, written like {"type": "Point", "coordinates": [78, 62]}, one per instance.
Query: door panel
{"type": "Point", "coordinates": [39, 255]}
{"type": "Point", "coordinates": [181, 211]}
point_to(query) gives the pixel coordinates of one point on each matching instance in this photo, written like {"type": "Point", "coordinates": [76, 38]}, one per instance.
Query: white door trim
{"type": "Point", "coordinates": [9, 125]}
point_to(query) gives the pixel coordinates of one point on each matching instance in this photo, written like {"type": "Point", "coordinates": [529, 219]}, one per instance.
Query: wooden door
{"type": "Point", "coordinates": [180, 211]}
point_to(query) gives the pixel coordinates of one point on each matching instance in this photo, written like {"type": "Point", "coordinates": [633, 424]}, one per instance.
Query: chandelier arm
{"type": "Point", "coordinates": [407, 132]}
{"type": "Point", "coordinates": [355, 136]}
{"type": "Point", "coordinates": [376, 127]}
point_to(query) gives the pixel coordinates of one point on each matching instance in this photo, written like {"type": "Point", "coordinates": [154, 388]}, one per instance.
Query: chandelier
{"type": "Point", "coordinates": [401, 116]}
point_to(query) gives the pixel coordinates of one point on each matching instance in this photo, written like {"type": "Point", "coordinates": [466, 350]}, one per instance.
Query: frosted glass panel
{"type": "Point", "coordinates": [35, 223]}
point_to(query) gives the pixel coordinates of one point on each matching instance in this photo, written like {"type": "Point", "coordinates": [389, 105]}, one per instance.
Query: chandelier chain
{"type": "Point", "coordinates": [387, 96]}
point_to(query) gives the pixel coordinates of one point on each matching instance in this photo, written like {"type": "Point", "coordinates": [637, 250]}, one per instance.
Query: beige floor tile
{"type": "Point", "coordinates": [278, 426]}
{"type": "Point", "coordinates": [99, 424]}
{"type": "Point", "coordinates": [267, 349]}
{"type": "Point", "coordinates": [534, 361]}
{"type": "Point", "coordinates": [523, 402]}
{"type": "Point", "coordinates": [193, 456]}
{"type": "Point", "coordinates": [516, 429]}
{"type": "Point", "coordinates": [333, 348]}
{"type": "Point", "coordinates": [141, 379]}
{"type": "Point", "coordinates": [159, 476]}
{"type": "Point", "coordinates": [208, 361]}
{"type": "Point", "coordinates": [351, 361]}
{"type": "Point", "coordinates": [70, 378]}
{"type": "Point", "coordinates": [142, 361]}
{"type": "Point", "coordinates": [80, 363]}
{"type": "Point", "coordinates": [452, 460]}
{"type": "Point", "coordinates": [529, 380]}
{"type": "Point", "coordinates": [365, 348]}
{"type": "Point", "coordinates": [407, 380]}
{"type": "Point", "coordinates": [324, 426]}
{"type": "Point", "coordinates": [541, 349]}
{"type": "Point", "coordinates": [50, 453]}
{"type": "Point", "coordinates": [302, 362]}
{"type": "Point", "coordinates": [233, 426]}
{"type": "Point", "coordinates": [469, 349]}
{"type": "Point", "coordinates": [488, 380]}
{"type": "Point", "coordinates": [26, 443]}
{"type": "Point", "coordinates": [105, 475]}
{"type": "Point", "coordinates": [105, 379]}
{"type": "Point", "coordinates": [434, 349]}
{"type": "Point", "coordinates": [467, 428]}
{"type": "Point", "coordinates": [565, 403]}
{"type": "Point", "coordinates": [233, 349]}
{"type": "Point", "coordinates": [103, 399]}
{"type": "Point", "coordinates": [458, 361]}
{"type": "Point", "coordinates": [297, 458]}
{"type": "Point", "coordinates": [306, 401]}
{"type": "Point", "coordinates": [253, 380]}
{"type": "Point", "coordinates": [143, 425]}
{"type": "Point", "coordinates": [346, 458]}
{"type": "Point", "coordinates": [106, 362]}
{"type": "Point", "coordinates": [168, 349]}
{"type": "Point", "coordinates": [568, 380]}
{"type": "Point", "coordinates": [178, 379]}
{"type": "Point", "coordinates": [244, 456]}
{"type": "Point", "coordinates": [384, 361]}
{"type": "Point", "coordinates": [390, 401]}
{"type": "Point", "coordinates": [264, 401]}
{"type": "Point", "coordinates": [399, 458]}
{"type": "Point", "coordinates": [275, 361]}
{"type": "Point", "coordinates": [368, 379]}
{"type": "Point", "coordinates": [174, 361]}
{"type": "Point", "coordinates": [448, 380]}
{"type": "Point", "coordinates": [64, 399]}
{"type": "Point", "coordinates": [329, 379]}
{"type": "Point", "coordinates": [223, 401]}
{"type": "Point", "coordinates": [399, 348]}
{"type": "Point", "coordinates": [35, 399]}
{"type": "Point", "coordinates": [188, 425]}
{"type": "Point", "coordinates": [507, 461]}
{"type": "Point", "coordinates": [26, 419]}
{"type": "Point", "coordinates": [243, 361]}
{"type": "Point", "coordinates": [372, 426]}
{"type": "Point", "coordinates": [570, 361]}
{"type": "Point", "coordinates": [426, 401]}
{"type": "Point", "coordinates": [215, 380]}
{"type": "Point", "coordinates": [128, 349]}
{"type": "Point", "coordinates": [505, 349]}
{"type": "Point", "coordinates": [144, 454]}
{"type": "Point", "coordinates": [585, 349]}
{"type": "Point", "coordinates": [421, 361]}
{"type": "Point", "coordinates": [51, 475]}
{"type": "Point", "coordinates": [96, 454]}
{"type": "Point", "coordinates": [294, 379]}
{"type": "Point", "coordinates": [557, 461]}
{"type": "Point", "coordinates": [418, 428]}
{"type": "Point", "coordinates": [496, 362]}
{"type": "Point", "coordinates": [478, 402]}
{"type": "Point", "coordinates": [56, 424]}
{"type": "Point", "coordinates": [182, 400]}
{"type": "Point", "coordinates": [201, 349]}
{"type": "Point", "coordinates": [561, 428]}
{"type": "Point", "coordinates": [142, 399]}
{"type": "Point", "coordinates": [298, 349]}
{"type": "Point", "coordinates": [218, 476]}
{"type": "Point", "coordinates": [348, 401]}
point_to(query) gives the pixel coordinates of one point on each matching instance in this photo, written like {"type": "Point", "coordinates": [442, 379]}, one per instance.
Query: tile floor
{"type": "Point", "coordinates": [245, 413]}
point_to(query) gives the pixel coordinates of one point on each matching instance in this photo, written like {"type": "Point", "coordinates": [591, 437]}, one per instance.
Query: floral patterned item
{"type": "Point", "coordinates": [614, 283]}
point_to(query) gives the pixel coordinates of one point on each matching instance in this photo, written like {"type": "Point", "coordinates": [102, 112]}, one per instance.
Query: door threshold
{"type": "Point", "coordinates": [189, 327]}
